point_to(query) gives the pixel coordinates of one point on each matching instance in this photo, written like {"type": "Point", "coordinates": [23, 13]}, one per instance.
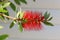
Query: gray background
{"type": "Point", "coordinates": [48, 32]}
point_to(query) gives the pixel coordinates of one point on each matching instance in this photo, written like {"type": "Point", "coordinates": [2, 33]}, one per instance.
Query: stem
{"type": "Point", "coordinates": [1, 14]}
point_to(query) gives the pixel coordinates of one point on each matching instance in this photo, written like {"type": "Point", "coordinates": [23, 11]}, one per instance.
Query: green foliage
{"type": "Point", "coordinates": [50, 18]}
{"type": "Point", "coordinates": [3, 37]}
{"type": "Point", "coordinates": [5, 4]}
{"type": "Point", "coordinates": [20, 14]}
{"type": "Point", "coordinates": [46, 15]}
{"type": "Point", "coordinates": [7, 13]}
{"type": "Point", "coordinates": [48, 23]}
{"type": "Point", "coordinates": [20, 26]}
{"type": "Point", "coordinates": [17, 2]}
{"type": "Point", "coordinates": [3, 1]}
{"type": "Point", "coordinates": [23, 1]}
{"type": "Point", "coordinates": [12, 24]}
{"type": "Point", "coordinates": [3, 10]}
{"type": "Point", "coordinates": [20, 1]}
{"type": "Point", "coordinates": [13, 6]}
{"type": "Point", "coordinates": [47, 19]}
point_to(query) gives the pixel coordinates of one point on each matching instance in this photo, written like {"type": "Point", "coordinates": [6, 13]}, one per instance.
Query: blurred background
{"type": "Point", "coordinates": [48, 32]}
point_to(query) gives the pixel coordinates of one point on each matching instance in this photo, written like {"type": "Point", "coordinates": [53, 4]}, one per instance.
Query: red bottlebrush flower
{"type": "Point", "coordinates": [33, 20]}
{"type": "Point", "coordinates": [28, 15]}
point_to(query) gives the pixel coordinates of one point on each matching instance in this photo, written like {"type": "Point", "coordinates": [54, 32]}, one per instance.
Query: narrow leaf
{"type": "Point", "coordinates": [3, 37]}
{"type": "Point", "coordinates": [46, 15]}
{"type": "Point", "coordinates": [12, 24]}
{"type": "Point", "coordinates": [23, 1]}
{"type": "Point", "coordinates": [50, 18]}
{"type": "Point", "coordinates": [13, 6]}
{"type": "Point", "coordinates": [20, 27]}
{"type": "Point", "coordinates": [18, 14]}
{"type": "Point", "coordinates": [7, 13]}
{"type": "Point", "coordinates": [48, 23]}
{"type": "Point", "coordinates": [3, 10]}
{"type": "Point", "coordinates": [21, 15]}
{"type": "Point", "coordinates": [17, 2]}
{"type": "Point", "coordinates": [5, 4]}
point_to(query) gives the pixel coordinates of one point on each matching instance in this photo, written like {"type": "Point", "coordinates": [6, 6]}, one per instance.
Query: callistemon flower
{"type": "Point", "coordinates": [34, 20]}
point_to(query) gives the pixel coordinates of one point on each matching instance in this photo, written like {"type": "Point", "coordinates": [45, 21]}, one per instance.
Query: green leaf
{"type": "Point", "coordinates": [20, 14]}
{"type": "Point", "coordinates": [17, 2]}
{"type": "Point", "coordinates": [50, 18]}
{"type": "Point", "coordinates": [3, 10]}
{"type": "Point", "coordinates": [5, 4]}
{"type": "Point", "coordinates": [20, 27]}
{"type": "Point", "coordinates": [6, 13]}
{"type": "Point", "coordinates": [46, 15]}
{"type": "Point", "coordinates": [3, 37]}
{"type": "Point", "coordinates": [13, 6]}
{"type": "Point", "coordinates": [23, 1]}
{"type": "Point", "coordinates": [48, 23]}
{"type": "Point", "coordinates": [12, 24]}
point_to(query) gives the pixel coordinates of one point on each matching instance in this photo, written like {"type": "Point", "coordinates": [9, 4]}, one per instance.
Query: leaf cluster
{"type": "Point", "coordinates": [47, 19]}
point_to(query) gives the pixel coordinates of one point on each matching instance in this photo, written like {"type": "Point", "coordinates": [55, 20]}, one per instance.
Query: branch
{"type": "Point", "coordinates": [12, 18]}
{"type": "Point", "coordinates": [1, 14]}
